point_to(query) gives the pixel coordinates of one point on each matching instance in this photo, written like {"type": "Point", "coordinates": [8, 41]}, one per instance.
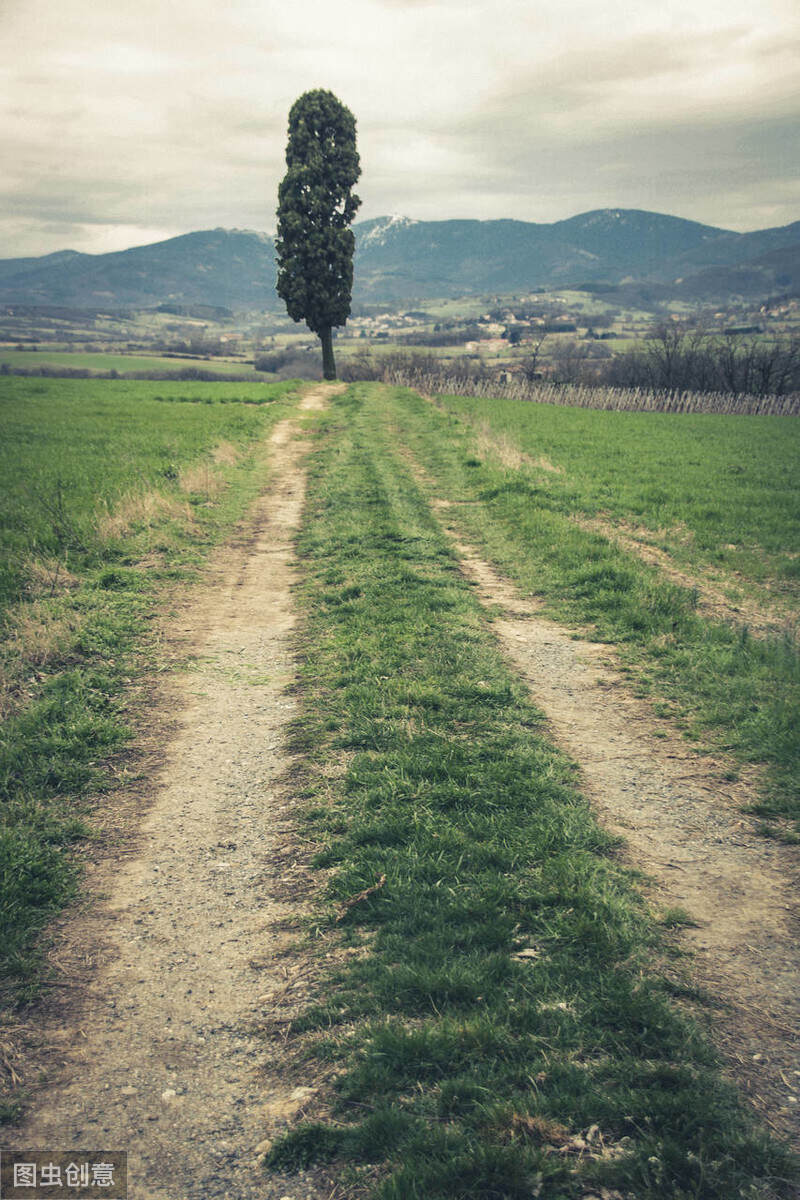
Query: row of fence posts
{"type": "Point", "coordinates": [616, 399]}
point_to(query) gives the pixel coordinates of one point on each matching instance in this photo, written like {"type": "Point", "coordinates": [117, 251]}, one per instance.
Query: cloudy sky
{"type": "Point", "coordinates": [126, 121]}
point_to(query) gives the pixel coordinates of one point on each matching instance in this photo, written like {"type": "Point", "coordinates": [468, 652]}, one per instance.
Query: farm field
{"type": "Point", "coordinates": [463, 980]}
{"type": "Point", "coordinates": [122, 363]}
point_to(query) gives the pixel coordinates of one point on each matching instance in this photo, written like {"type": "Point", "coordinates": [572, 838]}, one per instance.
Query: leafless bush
{"type": "Point", "coordinates": [678, 359]}
{"type": "Point", "coordinates": [362, 366]}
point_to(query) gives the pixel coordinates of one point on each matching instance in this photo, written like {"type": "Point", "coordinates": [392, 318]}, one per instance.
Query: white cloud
{"type": "Point", "coordinates": [123, 119]}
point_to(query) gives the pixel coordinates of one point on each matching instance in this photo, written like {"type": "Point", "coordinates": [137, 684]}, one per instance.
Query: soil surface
{"type": "Point", "coordinates": [683, 827]}
{"type": "Point", "coordinates": [153, 1047]}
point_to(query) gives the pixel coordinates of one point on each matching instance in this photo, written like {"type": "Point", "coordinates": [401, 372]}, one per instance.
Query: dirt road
{"type": "Point", "coordinates": [152, 1048]}
{"type": "Point", "coordinates": [158, 1057]}
{"type": "Point", "coordinates": [684, 828]}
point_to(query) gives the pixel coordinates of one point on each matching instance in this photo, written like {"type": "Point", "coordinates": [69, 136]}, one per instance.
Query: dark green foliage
{"type": "Point", "coordinates": [315, 208]}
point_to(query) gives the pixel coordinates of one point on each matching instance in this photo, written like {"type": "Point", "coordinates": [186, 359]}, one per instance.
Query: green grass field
{"type": "Point", "coordinates": [71, 448]}
{"type": "Point", "coordinates": [715, 491]}
{"type": "Point", "coordinates": [506, 987]}
{"type": "Point", "coordinates": [502, 987]}
{"type": "Point", "coordinates": [122, 363]}
{"type": "Point", "coordinates": [731, 482]}
{"type": "Point", "coordinates": [111, 491]}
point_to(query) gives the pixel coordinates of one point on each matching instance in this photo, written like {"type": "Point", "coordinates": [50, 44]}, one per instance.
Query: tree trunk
{"type": "Point", "coordinates": [328, 363]}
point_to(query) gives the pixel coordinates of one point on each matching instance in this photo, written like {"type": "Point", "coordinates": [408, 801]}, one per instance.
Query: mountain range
{"type": "Point", "coordinates": [400, 260]}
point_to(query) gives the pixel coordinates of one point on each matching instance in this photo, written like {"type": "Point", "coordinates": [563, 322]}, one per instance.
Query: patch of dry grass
{"type": "Point", "coordinates": [205, 478]}
{"type": "Point", "coordinates": [225, 454]}
{"type": "Point", "coordinates": [502, 448]}
{"type": "Point", "coordinates": [47, 577]}
{"type": "Point", "coordinates": [201, 479]}
{"type": "Point", "coordinates": [11, 1064]}
{"type": "Point", "coordinates": [37, 634]}
{"type": "Point", "coordinates": [137, 510]}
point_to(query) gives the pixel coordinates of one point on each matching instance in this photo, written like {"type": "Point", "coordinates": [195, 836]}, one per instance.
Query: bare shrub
{"type": "Point", "coordinates": [686, 358]}
{"type": "Point", "coordinates": [290, 364]}
{"type": "Point", "coordinates": [361, 367]}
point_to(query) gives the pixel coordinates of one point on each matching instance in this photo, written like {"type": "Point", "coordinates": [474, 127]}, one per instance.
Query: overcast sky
{"type": "Point", "coordinates": [126, 121]}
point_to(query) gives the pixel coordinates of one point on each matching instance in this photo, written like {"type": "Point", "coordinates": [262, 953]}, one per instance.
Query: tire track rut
{"type": "Point", "coordinates": [159, 1057]}
{"type": "Point", "coordinates": [682, 828]}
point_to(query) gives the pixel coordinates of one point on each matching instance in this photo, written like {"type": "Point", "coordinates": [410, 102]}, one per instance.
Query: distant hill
{"type": "Point", "coordinates": [775, 273]}
{"type": "Point", "coordinates": [505, 256]}
{"type": "Point", "coordinates": [227, 268]}
{"type": "Point", "coordinates": [17, 268]}
{"type": "Point", "coordinates": [398, 259]}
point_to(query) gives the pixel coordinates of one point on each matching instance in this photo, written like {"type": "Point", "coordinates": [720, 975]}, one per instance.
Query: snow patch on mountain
{"type": "Point", "coordinates": [384, 227]}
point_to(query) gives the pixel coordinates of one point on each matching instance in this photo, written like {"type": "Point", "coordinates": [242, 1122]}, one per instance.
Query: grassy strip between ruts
{"type": "Point", "coordinates": [502, 1002]}
{"type": "Point", "coordinates": [722, 686]}
{"type": "Point", "coordinates": [71, 708]}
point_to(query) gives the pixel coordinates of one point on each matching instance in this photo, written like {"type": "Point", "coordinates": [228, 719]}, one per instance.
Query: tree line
{"type": "Point", "coordinates": [675, 359]}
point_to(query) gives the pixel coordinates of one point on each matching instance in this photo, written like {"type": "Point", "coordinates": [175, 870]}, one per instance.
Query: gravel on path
{"type": "Point", "coordinates": [156, 1053]}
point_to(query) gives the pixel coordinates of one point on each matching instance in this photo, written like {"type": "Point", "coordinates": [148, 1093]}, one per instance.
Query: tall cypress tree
{"type": "Point", "coordinates": [315, 207]}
